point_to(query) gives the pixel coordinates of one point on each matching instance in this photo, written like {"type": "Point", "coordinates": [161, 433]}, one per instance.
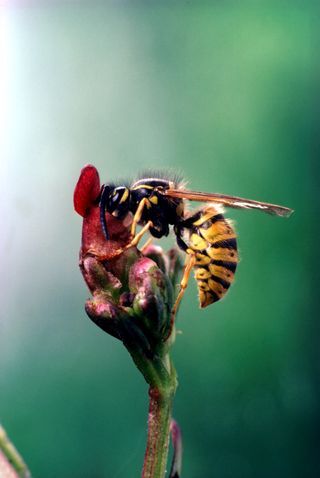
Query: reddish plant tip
{"type": "Point", "coordinates": [87, 190]}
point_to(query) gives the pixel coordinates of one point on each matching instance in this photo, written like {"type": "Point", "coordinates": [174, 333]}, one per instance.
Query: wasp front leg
{"type": "Point", "coordinates": [136, 239]}
{"type": "Point", "coordinates": [146, 244]}
{"type": "Point", "coordinates": [135, 222]}
{"type": "Point", "coordinates": [138, 215]}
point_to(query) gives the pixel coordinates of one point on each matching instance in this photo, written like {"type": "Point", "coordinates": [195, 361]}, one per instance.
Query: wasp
{"type": "Point", "coordinates": [206, 236]}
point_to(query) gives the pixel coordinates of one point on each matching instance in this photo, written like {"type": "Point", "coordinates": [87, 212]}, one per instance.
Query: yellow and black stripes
{"type": "Point", "coordinates": [213, 241]}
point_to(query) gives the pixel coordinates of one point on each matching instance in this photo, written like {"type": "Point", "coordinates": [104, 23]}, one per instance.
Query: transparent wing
{"type": "Point", "coordinates": [229, 201]}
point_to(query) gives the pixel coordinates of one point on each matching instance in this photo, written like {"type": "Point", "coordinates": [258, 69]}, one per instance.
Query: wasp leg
{"type": "Point", "coordinates": [146, 244]}
{"type": "Point", "coordinates": [136, 219]}
{"type": "Point", "coordinates": [190, 261]}
{"type": "Point", "coordinates": [136, 239]}
{"type": "Point", "coordinates": [138, 215]}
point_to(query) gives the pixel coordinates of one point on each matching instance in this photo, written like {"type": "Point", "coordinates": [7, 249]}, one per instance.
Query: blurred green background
{"type": "Point", "coordinates": [226, 93]}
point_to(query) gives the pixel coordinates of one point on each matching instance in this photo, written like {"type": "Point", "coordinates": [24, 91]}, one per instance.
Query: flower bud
{"type": "Point", "coordinates": [132, 291]}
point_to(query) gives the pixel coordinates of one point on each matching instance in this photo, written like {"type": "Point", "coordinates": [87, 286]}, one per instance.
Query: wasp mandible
{"type": "Point", "coordinates": [206, 236]}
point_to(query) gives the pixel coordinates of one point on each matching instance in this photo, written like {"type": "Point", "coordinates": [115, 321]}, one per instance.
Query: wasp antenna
{"type": "Point", "coordinates": [102, 205]}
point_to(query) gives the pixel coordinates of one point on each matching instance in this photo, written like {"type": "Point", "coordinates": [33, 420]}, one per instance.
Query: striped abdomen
{"type": "Point", "coordinates": [214, 243]}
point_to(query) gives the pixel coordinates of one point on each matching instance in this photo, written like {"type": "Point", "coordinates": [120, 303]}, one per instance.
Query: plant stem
{"type": "Point", "coordinates": [14, 463]}
{"type": "Point", "coordinates": [160, 408]}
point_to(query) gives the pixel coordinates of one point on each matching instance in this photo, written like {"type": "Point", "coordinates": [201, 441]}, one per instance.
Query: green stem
{"type": "Point", "coordinates": [14, 460]}
{"type": "Point", "coordinates": [160, 409]}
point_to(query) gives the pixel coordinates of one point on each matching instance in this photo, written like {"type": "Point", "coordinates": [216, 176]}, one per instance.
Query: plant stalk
{"type": "Point", "coordinates": [10, 460]}
{"type": "Point", "coordinates": [159, 418]}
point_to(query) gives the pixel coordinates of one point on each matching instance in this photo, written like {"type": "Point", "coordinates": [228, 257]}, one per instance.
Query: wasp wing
{"type": "Point", "coordinates": [229, 201]}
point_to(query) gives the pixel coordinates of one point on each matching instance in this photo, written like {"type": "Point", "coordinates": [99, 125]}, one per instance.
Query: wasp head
{"type": "Point", "coordinates": [115, 201]}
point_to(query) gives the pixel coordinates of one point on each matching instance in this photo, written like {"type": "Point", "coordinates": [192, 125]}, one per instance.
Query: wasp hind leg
{"type": "Point", "coordinates": [188, 266]}
{"type": "Point", "coordinates": [189, 263]}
